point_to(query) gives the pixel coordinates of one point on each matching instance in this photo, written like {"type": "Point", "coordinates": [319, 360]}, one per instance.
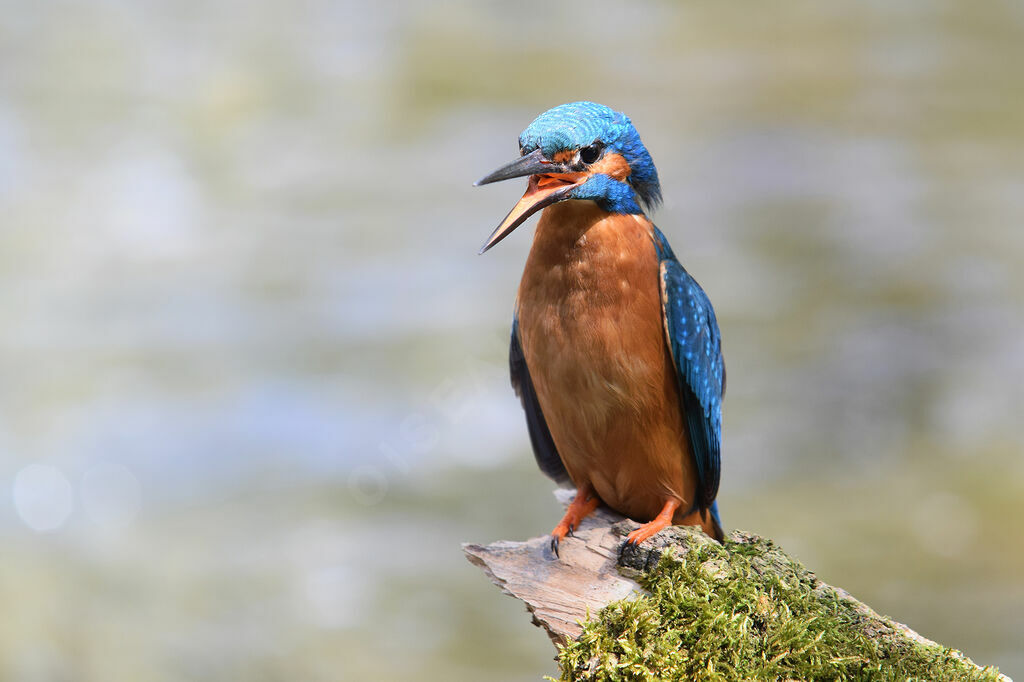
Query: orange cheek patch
{"type": "Point", "coordinates": [565, 156]}
{"type": "Point", "coordinates": [613, 165]}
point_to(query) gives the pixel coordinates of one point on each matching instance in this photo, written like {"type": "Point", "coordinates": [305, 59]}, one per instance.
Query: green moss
{"type": "Point", "coordinates": [747, 611]}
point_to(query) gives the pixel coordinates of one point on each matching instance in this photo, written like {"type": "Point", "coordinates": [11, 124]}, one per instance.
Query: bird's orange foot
{"type": "Point", "coordinates": [584, 503]}
{"type": "Point", "coordinates": [648, 530]}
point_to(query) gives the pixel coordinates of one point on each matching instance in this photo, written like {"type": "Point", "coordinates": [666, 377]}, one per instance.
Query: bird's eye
{"type": "Point", "coordinates": [591, 153]}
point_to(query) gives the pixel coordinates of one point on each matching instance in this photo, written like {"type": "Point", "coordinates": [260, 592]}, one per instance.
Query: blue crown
{"type": "Point", "coordinates": [580, 124]}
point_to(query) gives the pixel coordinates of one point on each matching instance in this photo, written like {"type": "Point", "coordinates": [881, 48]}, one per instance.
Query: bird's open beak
{"type": "Point", "coordinates": [550, 182]}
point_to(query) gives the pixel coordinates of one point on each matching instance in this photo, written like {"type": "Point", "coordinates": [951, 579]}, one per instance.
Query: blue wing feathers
{"type": "Point", "coordinates": [544, 450]}
{"type": "Point", "coordinates": [695, 342]}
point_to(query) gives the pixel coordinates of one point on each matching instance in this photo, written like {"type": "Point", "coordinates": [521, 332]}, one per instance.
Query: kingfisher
{"type": "Point", "coordinates": [616, 354]}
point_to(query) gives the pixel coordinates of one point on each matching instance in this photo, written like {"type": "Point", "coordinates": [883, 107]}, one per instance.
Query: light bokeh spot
{"type": "Point", "coordinates": [42, 497]}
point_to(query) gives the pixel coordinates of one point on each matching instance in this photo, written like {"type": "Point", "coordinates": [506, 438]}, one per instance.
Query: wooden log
{"type": "Point", "coordinates": [594, 571]}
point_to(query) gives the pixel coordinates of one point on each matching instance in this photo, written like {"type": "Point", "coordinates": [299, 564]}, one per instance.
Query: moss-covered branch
{"type": "Point", "coordinates": [684, 607]}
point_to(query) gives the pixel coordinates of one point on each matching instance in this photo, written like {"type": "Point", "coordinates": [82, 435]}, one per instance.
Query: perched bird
{"type": "Point", "coordinates": [616, 353]}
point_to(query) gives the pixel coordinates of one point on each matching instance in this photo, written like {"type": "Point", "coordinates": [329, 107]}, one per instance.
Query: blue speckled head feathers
{"type": "Point", "coordinates": [580, 124]}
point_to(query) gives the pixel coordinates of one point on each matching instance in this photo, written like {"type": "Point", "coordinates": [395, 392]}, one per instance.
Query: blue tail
{"type": "Point", "coordinates": [718, 521]}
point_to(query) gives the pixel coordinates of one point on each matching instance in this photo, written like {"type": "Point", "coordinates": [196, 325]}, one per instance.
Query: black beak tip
{"type": "Point", "coordinates": [489, 178]}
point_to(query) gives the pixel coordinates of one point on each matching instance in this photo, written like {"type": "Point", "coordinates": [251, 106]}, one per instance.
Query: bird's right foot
{"type": "Point", "coordinates": [582, 505]}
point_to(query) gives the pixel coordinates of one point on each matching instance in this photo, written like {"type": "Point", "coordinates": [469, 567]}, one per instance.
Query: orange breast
{"type": "Point", "coordinates": [590, 322]}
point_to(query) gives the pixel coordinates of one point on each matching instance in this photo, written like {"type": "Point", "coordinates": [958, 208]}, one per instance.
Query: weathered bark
{"type": "Point", "coordinates": [593, 571]}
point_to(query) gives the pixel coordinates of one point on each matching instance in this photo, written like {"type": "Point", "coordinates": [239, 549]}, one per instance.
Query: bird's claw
{"type": "Point", "coordinates": [630, 546]}
{"type": "Point", "coordinates": [556, 539]}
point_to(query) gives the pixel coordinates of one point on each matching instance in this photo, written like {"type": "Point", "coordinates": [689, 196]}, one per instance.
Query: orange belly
{"type": "Point", "coordinates": [590, 322]}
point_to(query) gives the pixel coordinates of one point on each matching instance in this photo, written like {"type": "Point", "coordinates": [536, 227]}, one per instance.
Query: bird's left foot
{"type": "Point", "coordinates": [648, 530]}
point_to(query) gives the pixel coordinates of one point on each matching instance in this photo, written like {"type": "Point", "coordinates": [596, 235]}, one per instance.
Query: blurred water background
{"type": "Point", "coordinates": [254, 386]}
